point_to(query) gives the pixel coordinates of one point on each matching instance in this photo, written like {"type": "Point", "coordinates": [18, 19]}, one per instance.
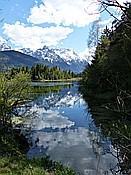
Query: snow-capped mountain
{"type": "Point", "coordinates": [53, 55]}
{"type": "Point", "coordinates": [64, 58]}
{"type": "Point", "coordinates": [4, 47]}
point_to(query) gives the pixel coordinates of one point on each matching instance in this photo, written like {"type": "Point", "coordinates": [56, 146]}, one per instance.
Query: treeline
{"type": "Point", "coordinates": [110, 71]}
{"type": "Point", "coordinates": [41, 72]}
{"type": "Point", "coordinates": [106, 87]}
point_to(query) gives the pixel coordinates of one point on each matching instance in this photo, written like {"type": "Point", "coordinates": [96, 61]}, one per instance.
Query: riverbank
{"type": "Point", "coordinates": [60, 80]}
{"type": "Point", "coordinates": [15, 92]}
{"type": "Point", "coordinates": [23, 166]}
{"type": "Point", "coordinates": [13, 161]}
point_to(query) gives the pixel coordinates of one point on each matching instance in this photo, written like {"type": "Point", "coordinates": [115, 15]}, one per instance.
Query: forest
{"type": "Point", "coordinates": [110, 71]}
{"type": "Point", "coordinates": [106, 87]}
{"type": "Point", "coordinates": [41, 72]}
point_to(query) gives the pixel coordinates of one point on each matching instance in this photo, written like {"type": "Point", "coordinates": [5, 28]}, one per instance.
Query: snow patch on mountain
{"type": "Point", "coordinates": [4, 47]}
{"type": "Point", "coordinates": [54, 54]}
{"type": "Point", "coordinates": [64, 58]}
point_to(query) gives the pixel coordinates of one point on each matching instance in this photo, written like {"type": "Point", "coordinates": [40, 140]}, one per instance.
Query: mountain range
{"type": "Point", "coordinates": [66, 59]}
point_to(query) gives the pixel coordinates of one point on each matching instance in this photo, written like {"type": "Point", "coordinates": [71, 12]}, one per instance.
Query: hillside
{"type": "Point", "coordinates": [13, 58]}
{"type": "Point", "coordinates": [66, 59]}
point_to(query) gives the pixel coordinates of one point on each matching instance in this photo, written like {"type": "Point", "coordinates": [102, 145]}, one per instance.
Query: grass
{"type": "Point", "coordinates": [13, 147]}
{"type": "Point", "coordinates": [14, 162]}
{"type": "Point", "coordinates": [19, 166]}
{"type": "Point", "coordinates": [24, 166]}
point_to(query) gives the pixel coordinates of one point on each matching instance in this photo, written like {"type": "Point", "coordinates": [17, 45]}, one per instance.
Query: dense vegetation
{"type": "Point", "coordinates": [106, 86]}
{"type": "Point", "coordinates": [15, 91]}
{"type": "Point", "coordinates": [110, 71]}
{"type": "Point", "coordinates": [23, 166]}
{"type": "Point", "coordinates": [40, 72]}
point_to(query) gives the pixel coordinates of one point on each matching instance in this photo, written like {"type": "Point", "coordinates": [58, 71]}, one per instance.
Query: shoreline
{"type": "Point", "coordinates": [59, 80]}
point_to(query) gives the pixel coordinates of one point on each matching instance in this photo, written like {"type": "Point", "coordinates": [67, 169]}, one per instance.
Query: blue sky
{"type": "Point", "coordinates": [55, 23]}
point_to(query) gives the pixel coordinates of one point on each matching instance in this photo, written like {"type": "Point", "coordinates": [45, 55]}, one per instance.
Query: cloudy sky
{"type": "Point", "coordinates": [55, 23]}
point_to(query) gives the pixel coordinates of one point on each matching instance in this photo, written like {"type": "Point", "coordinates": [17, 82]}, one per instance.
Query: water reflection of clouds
{"type": "Point", "coordinates": [48, 119]}
{"type": "Point", "coordinates": [75, 147]}
{"type": "Point", "coordinates": [68, 99]}
{"type": "Point", "coordinates": [72, 143]}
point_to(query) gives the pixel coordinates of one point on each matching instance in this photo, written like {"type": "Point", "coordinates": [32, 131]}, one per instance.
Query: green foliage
{"type": "Point", "coordinates": [13, 92]}
{"type": "Point", "coordinates": [40, 72]}
{"type": "Point", "coordinates": [106, 86]}
{"type": "Point", "coordinates": [16, 90]}
{"type": "Point", "coordinates": [41, 90]}
{"type": "Point", "coordinates": [110, 70]}
{"type": "Point", "coordinates": [41, 166]}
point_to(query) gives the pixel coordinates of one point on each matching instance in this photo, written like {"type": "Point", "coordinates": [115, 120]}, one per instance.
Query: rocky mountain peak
{"type": "Point", "coordinates": [64, 58]}
{"type": "Point", "coordinates": [4, 47]}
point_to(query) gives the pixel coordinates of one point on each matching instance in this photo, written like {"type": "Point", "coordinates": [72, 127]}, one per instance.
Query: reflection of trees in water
{"type": "Point", "coordinates": [37, 91]}
{"type": "Point", "coordinates": [42, 90]}
{"type": "Point", "coordinates": [121, 140]}
{"type": "Point", "coordinates": [117, 127]}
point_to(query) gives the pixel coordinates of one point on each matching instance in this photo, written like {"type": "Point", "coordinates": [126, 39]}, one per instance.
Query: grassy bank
{"type": "Point", "coordinates": [13, 147]}
{"type": "Point", "coordinates": [23, 166]}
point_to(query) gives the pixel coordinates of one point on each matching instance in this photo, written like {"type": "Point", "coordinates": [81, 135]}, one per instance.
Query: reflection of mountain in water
{"type": "Point", "coordinates": [64, 97]}
{"type": "Point", "coordinates": [64, 130]}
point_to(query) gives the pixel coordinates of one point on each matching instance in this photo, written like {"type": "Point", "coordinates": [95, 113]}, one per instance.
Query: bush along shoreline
{"type": "Point", "coordinates": [13, 149]}
{"type": "Point", "coordinates": [14, 145]}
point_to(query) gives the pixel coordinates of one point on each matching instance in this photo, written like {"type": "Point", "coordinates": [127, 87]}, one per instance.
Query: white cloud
{"type": "Point", "coordinates": [106, 22]}
{"type": "Point", "coordinates": [65, 12]}
{"type": "Point", "coordinates": [59, 12]}
{"type": "Point", "coordinates": [2, 40]}
{"type": "Point", "coordinates": [87, 54]}
{"type": "Point", "coordinates": [49, 119]}
{"type": "Point", "coordinates": [62, 12]}
{"type": "Point", "coordinates": [35, 37]}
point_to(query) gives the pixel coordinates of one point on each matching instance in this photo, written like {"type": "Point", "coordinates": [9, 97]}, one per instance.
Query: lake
{"type": "Point", "coordinates": [61, 126]}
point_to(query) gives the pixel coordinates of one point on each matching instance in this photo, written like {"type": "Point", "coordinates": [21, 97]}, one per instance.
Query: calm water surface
{"type": "Point", "coordinates": [62, 128]}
